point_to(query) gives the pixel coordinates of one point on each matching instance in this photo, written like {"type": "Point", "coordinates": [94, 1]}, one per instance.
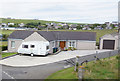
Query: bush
{"type": "Point", "coordinates": [4, 48]}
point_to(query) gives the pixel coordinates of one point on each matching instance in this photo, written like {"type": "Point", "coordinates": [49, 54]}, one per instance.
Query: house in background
{"type": "Point", "coordinates": [21, 24]}
{"type": "Point", "coordinates": [86, 27]}
{"type": "Point", "coordinates": [11, 24]}
{"type": "Point", "coordinates": [109, 41]}
{"type": "Point", "coordinates": [56, 39]}
{"type": "Point", "coordinates": [98, 28]}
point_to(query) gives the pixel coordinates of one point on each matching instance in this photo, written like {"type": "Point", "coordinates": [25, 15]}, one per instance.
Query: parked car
{"type": "Point", "coordinates": [34, 48]}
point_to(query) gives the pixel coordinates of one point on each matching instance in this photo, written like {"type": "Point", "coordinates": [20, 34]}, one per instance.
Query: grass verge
{"type": "Point", "coordinates": [7, 54]}
{"type": "Point", "coordinates": [103, 69]}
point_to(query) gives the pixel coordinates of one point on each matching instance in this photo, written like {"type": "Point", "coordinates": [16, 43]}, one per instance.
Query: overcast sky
{"type": "Point", "coordinates": [79, 11]}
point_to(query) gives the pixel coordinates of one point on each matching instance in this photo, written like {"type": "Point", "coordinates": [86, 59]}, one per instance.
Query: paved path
{"type": "Point", "coordinates": [26, 61]}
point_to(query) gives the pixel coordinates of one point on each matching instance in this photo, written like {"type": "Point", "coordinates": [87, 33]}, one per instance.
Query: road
{"type": "Point", "coordinates": [43, 71]}
{"type": "Point", "coordinates": [37, 72]}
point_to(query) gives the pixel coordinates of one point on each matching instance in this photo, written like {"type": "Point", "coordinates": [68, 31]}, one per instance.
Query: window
{"type": "Point", "coordinates": [24, 46]}
{"type": "Point", "coordinates": [13, 44]}
{"type": "Point", "coordinates": [71, 44]}
{"type": "Point", "coordinates": [53, 44]}
{"type": "Point", "coordinates": [32, 46]}
{"type": "Point", "coordinates": [47, 47]}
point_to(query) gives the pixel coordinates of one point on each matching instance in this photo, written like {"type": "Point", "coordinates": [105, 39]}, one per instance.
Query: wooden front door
{"type": "Point", "coordinates": [62, 44]}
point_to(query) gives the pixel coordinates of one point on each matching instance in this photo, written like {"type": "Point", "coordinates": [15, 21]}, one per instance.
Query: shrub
{"type": "Point", "coordinates": [4, 48]}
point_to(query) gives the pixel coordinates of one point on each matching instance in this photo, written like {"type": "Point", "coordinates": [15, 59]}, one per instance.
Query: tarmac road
{"type": "Point", "coordinates": [37, 72]}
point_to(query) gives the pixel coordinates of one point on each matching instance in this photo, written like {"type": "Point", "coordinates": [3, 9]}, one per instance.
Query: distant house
{"type": "Point", "coordinates": [98, 28]}
{"type": "Point", "coordinates": [4, 25]}
{"type": "Point", "coordinates": [86, 27]}
{"type": "Point", "coordinates": [73, 27]}
{"type": "Point", "coordinates": [109, 41]}
{"type": "Point", "coordinates": [57, 27]}
{"type": "Point", "coordinates": [17, 28]}
{"type": "Point", "coordinates": [56, 39]}
{"type": "Point", "coordinates": [11, 24]}
{"type": "Point", "coordinates": [21, 24]}
{"type": "Point", "coordinates": [108, 27]}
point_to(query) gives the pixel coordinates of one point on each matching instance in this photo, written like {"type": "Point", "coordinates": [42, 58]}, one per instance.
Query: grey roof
{"type": "Point", "coordinates": [20, 34]}
{"type": "Point", "coordinates": [61, 35]}
{"type": "Point", "coordinates": [56, 35]}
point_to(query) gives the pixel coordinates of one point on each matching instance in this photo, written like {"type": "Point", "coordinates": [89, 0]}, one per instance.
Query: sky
{"type": "Point", "coordinates": [75, 11]}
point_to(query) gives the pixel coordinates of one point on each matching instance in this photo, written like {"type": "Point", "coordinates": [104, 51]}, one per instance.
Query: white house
{"type": "Point", "coordinates": [11, 24]}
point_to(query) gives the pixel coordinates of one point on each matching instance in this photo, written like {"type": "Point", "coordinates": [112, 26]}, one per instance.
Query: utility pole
{"type": "Point", "coordinates": [119, 27]}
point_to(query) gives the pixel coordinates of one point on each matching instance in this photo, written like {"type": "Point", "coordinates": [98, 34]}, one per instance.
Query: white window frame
{"type": "Point", "coordinates": [71, 45]}
{"type": "Point", "coordinates": [12, 44]}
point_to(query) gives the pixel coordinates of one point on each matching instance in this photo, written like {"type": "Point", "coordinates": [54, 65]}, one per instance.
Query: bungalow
{"type": "Point", "coordinates": [56, 39]}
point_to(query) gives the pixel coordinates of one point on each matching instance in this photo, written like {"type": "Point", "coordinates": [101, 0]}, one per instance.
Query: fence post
{"type": "Point", "coordinates": [80, 73]}
{"type": "Point", "coordinates": [76, 62]}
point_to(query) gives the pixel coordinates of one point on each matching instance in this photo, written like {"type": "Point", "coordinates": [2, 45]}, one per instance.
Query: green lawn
{"type": "Point", "coordinates": [104, 69]}
{"type": "Point", "coordinates": [7, 54]}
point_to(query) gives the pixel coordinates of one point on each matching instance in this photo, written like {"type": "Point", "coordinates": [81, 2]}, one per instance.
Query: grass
{"type": "Point", "coordinates": [8, 32]}
{"type": "Point", "coordinates": [104, 69]}
{"type": "Point", "coordinates": [3, 43]}
{"type": "Point", "coordinates": [7, 54]}
{"type": "Point", "coordinates": [64, 74]}
{"type": "Point", "coordinates": [25, 21]}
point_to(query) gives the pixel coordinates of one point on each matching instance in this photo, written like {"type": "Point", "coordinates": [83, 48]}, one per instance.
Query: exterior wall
{"type": "Point", "coordinates": [83, 45]}
{"type": "Point", "coordinates": [51, 45]}
{"type": "Point", "coordinates": [51, 48]}
{"type": "Point", "coordinates": [35, 37]}
{"type": "Point", "coordinates": [109, 38]}
{"type": "Point", "coordinates": [86, 45]}
{"type": "Point", "coordinates": [17, 44]}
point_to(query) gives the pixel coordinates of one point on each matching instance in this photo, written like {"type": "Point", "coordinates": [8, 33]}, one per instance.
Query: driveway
{"type": "Point", "coordinates": [26, 61]}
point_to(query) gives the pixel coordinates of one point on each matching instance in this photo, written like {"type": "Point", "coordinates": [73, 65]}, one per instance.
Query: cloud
{"type": "Point", "coordinates": [88, 11]}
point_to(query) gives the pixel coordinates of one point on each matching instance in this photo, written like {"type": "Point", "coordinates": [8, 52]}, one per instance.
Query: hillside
{"type": "Point", "coordinates": [4, 20]}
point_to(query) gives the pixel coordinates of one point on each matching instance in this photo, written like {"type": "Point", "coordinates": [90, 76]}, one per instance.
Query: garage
{"type": "Point", "coordinates": [108, 44]}
{"type": "Point", "coordinates": [109, 41]}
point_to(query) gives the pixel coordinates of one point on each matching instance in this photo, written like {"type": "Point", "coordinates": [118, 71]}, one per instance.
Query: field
{"type": "Point", "coordinates": [104, 69]}
{"type": "Point", "coordinates": [25, 21]}
{"type": "Point", "coordinates": [8, 32]}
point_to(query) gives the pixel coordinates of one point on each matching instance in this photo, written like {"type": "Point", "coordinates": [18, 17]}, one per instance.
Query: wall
{"type": "Point", "coordinates": [35, 37]}
{"type": "Point", "coordinates": [17, 44]}
{"type": "Point", "coordinates": [86, 45]}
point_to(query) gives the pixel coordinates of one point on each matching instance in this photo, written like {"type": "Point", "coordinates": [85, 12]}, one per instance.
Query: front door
{"type": "Point", "coordinates": [62, 44]}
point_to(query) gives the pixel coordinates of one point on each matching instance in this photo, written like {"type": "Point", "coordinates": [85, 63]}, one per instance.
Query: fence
{"type": "Point", "coordinates": [101, 55]}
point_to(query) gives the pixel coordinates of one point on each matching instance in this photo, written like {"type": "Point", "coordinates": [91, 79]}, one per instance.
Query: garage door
{"type": "Point", "coordinates": [108, 44]}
